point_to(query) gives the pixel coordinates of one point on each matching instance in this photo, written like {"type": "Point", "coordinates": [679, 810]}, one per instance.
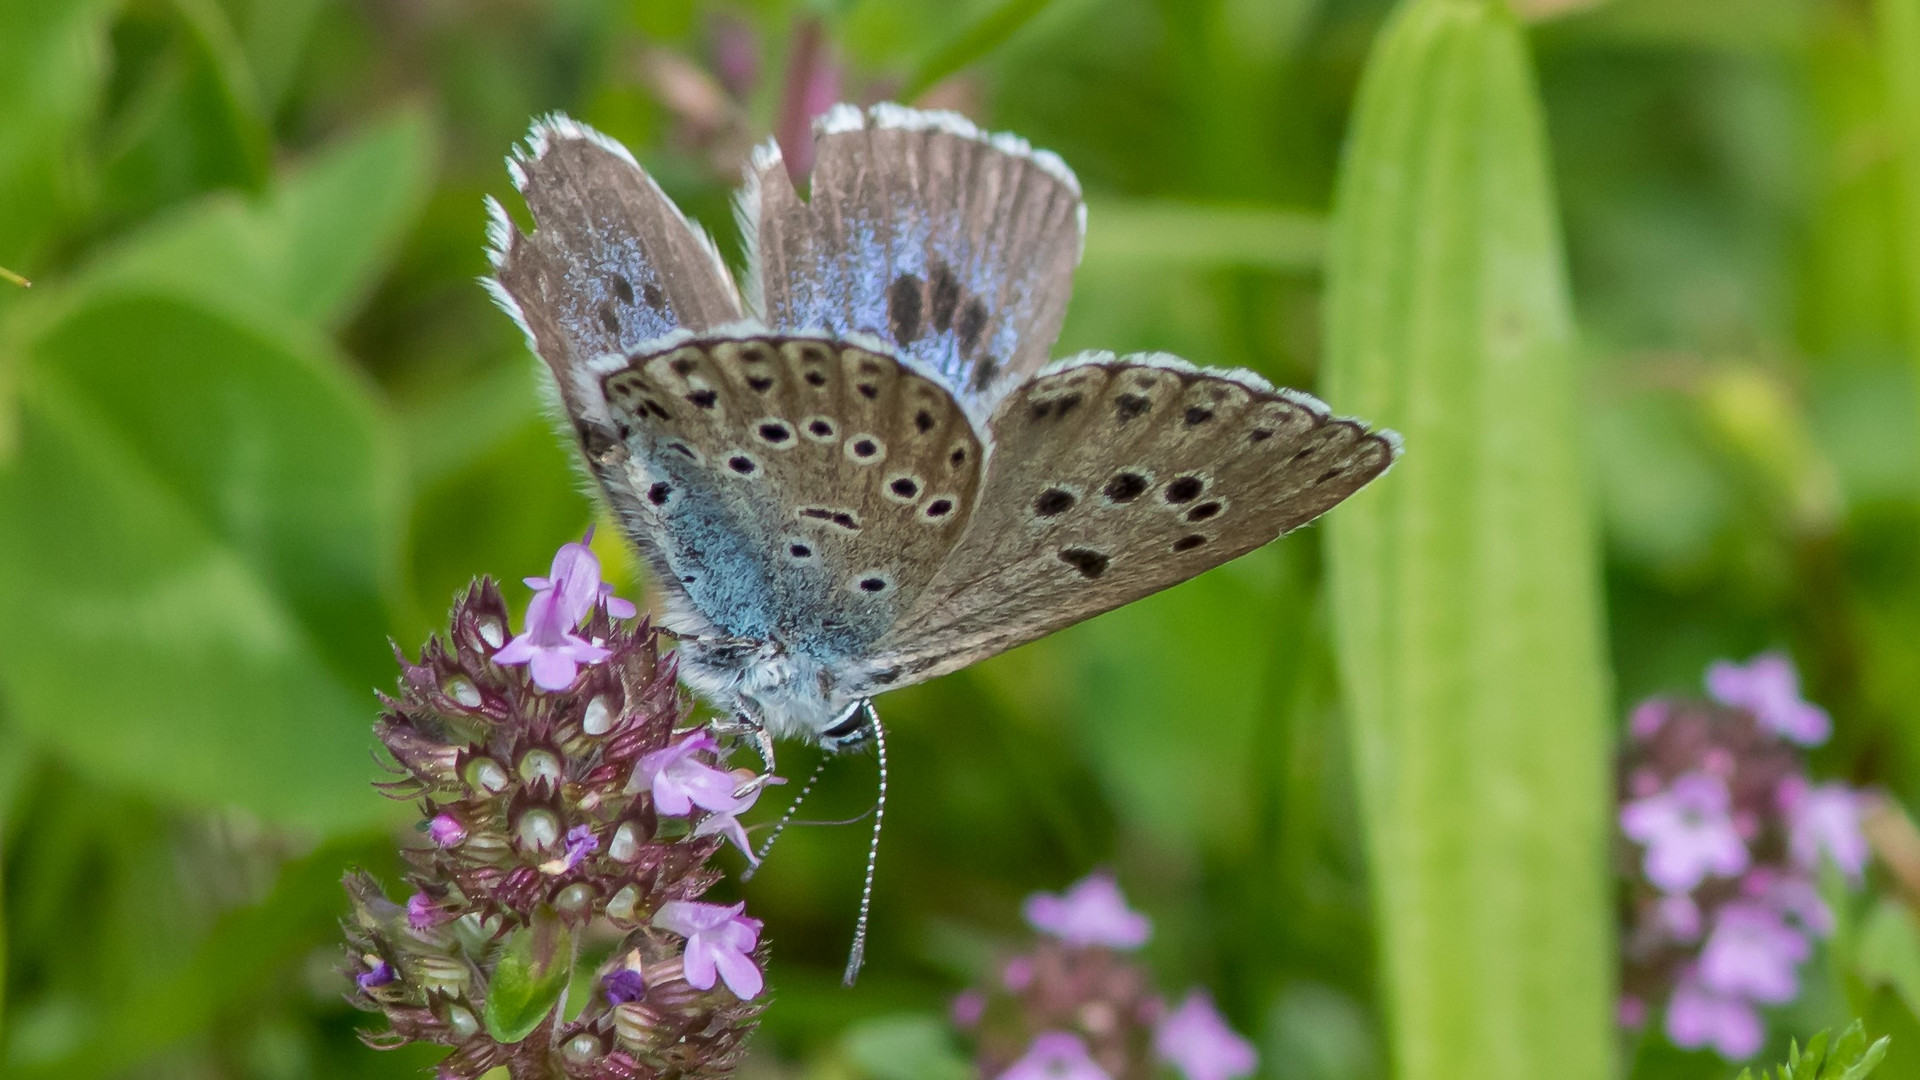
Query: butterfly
{"type": "Point", "coordinates": [858, 468]}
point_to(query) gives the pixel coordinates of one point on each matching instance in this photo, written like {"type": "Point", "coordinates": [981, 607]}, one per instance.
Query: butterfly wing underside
{"type": "Point", "coordinates": [612, 265]}
{"type": "Point", "coordinates": [795, 489]}
{"type": "Point", "coordinates": [953, 246]}
{"type": "Point", "coordinates": [1113, 479]}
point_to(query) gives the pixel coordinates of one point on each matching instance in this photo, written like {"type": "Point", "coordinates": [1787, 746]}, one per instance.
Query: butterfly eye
{"type": "Point", "coordinates": [849, 725]}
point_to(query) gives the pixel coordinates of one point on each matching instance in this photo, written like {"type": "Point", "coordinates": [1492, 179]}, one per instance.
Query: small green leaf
{"type": "Point", "coordinates": [905, 1047]}
{"type": "Point", "coordinates": [1848, 1058]}
{"type": "Point", "coordinates": [535, 964]}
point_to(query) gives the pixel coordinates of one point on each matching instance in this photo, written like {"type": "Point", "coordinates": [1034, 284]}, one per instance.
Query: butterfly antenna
{"type": "Point", "coordinates": [785, 819]}
{"type": "Point", "coordinates": [858, 954]}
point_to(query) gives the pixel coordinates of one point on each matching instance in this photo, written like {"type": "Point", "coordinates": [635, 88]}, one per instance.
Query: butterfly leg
{"type": "Point", "coordinates": [746, 724]}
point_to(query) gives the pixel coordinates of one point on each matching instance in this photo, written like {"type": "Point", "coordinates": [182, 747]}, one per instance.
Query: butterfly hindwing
{"type": "Point", "coordinates": [954, 246]}
{"type": "Point", "coordinates": [797, 489]}
{"type": "Point", "coordinates": [1113, 479]}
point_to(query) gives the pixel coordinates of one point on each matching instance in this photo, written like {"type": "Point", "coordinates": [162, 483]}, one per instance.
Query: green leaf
{"type": "Point", "coordinates": [1464, 582]}
{"type": "Point", "coordinates": [1888, 953]}
{"type": "Point", "coordinates": [53, 62]}
{"type": "Point", "coordinates": [310, 250]}
{"type": "Point", "coordinates": [905, 1047]}
{"type": "Point", "coordinates": [535, 964]}
{"type": "Point", "coordinates": [202, 527]}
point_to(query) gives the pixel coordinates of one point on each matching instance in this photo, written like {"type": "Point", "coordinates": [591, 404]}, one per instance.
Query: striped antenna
{"type": "Point", "coordinates": [858, 954]}
{"type": "Point", "coordinates": [785, 819]}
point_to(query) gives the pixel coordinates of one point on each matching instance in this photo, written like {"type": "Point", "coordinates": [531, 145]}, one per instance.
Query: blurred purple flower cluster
{"type": "Point", "coordinates": [1726, 836]}
{"type": "Point", "coordinates": [1076, 1008]}
{"type": "Point", "coordinates": [563, 812]}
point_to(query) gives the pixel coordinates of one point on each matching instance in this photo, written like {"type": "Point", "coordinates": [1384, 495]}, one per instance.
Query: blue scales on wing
{"type": "Point", "coordinates": [798, 490]}
{"type": "Point", "coordinates": [953, 246]}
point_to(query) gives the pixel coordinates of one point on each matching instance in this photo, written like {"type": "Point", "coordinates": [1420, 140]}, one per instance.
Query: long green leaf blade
{"type": "Point", "coordinates": [1465, 583]}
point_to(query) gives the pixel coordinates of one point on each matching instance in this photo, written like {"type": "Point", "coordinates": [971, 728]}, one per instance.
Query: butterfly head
{"type": "Point", "coordinates": [791, 695]}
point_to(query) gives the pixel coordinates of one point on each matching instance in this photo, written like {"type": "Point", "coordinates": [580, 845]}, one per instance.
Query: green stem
{"type": "Point", "coordinates": [1465, 582]}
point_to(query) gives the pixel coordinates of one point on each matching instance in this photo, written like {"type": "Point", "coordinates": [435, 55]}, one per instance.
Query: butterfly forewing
{"type": "Point", "coordinates": [953, 246]}
{"type": "Point", "coordinates": [798, 489]}
{"type": "Point", "coordinates": [612, 264]}
{"type": "Point", "coordinates": [1110, 480]}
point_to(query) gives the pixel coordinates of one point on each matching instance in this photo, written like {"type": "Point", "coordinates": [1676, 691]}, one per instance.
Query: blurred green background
{"type": "Point", "coordinates": [257, 419]}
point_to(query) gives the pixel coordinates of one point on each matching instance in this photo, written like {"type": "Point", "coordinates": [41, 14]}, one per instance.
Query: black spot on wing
{"type": "Point", "coordinates": [1131, 406]}
{"type": "Point", "coordinates": [983, 374]}
{"type": "Point", "coordinates": [903, 308]}
{"type": "Point", "coordinates": [1053, 502]}
{"type": "Point", "coordinates": [656, 299]}
{"type": "Point", "coordinates": [943, 297]}
{"type": "Point", "coordinates": [970, 325]}
{"type": "Point", "coordinates": [623, 289]}
{"type": "Point", "coordinates": [1184, 489]}
{"type": "Point", "coordinates": [1125, 487]}
{"type": "Point", "coordinates": [1090, 563]}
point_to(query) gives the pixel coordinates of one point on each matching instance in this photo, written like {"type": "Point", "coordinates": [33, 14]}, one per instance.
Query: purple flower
{"type": "Point", "coordinates": [720, 941]}
{"type": "Point", "coordinates": [679, 783]}
{"type": "Point", "coordinates": [1017, 975]}
{"type": "Point", "coordinates": [1824, 820]}
{"type": "Point", "coordinates": [1092, 912]}
{"type": "Point", "coordinates": [561, 599]}
{"type": "Point", "coordinates": [967, 1009]}
{"type": "Point", "coordinates": [378, 973]}
{"type": "Point", "coordinates": [1792, 896]}
{"type": "Point", "coordinates": [1679, 916]}
{"type": "Point", "coordinates": [1752, 953]}
{"type": "Point", "coordinates": [423, 913]}
{"type": "Point", "coordinates": [576, 578]}
{"type": "Point", "coordinates": [1697, 1017]}
{"type": "Point", "coordinates": [1768, 687]}
{"type": "Point", "coordinates": [580, 843]}
{"type": "Point", "coordinates": [1199, 1043]}
{"type": "Point", "coordinates": [729, 826]}
{"type": "Point", "coordinates": [1055, 1055]}
{"type": "Point", "coordinates": [1647, 718]}
{"type": "Point", "coordinates": [1631, 1011]}
{"type": "Point", "coordinates": [1687, 832]}
{"type": "Point", "coordinates": [622, 985]}
{"type": "Point", "coordinates": [446, 831]}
